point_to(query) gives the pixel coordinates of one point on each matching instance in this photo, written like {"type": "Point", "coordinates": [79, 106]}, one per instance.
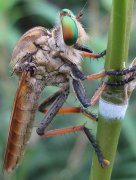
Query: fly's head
{"type": "Point", "coordinates": [72, 30]}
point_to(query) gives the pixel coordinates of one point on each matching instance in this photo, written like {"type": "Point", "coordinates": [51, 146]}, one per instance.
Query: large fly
{"type": "Point", "coordinates": [42, 58]}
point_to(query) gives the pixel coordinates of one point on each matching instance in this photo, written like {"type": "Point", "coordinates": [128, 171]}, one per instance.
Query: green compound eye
{"type": "Point", "coordinates": [70, 30]}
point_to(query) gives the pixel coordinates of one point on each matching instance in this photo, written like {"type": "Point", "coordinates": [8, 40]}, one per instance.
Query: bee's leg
{"type": "Point", "coordinates": [56, 105]}
{"type": "Point", "coordinates": [103, 162]}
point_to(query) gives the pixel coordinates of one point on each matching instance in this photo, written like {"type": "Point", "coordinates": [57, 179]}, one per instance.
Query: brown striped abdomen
{"type": "Point", "coordinates": [22, 117]}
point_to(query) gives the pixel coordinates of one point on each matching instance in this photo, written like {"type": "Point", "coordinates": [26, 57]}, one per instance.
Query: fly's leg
{"type": "Point", "coordinates": [121, 72]}
{"type": "Point", "coordinates": [48, 118]}
{"type": "Point", "coordinates": [91, 55]}
{"type": "Point", "coordinates": [87, 52]}
{"type": "Point", "coordinates": [121, 82]}
{"type": "Point", "coordinates": [47, 102]}
{"type": "Point", "coordinates": [65, 110]}
{"type": "Point", "coordinates": [77, 73]}
{"type": "Point", "coordinates": [127, 71]}
{"type": "Point", "coordinates": [81, 128]}
{"type": "Point", "coordinates": [83, 48]}
{"type": "Point", "coordinates": [58, 102]}
{"type": "Point", "coordinates": [80, 93]}
{"type": "Point", "coordinates": [101, 74]}
{"type": "Point", "coordinates": [98, 94]}
{"type": "Point", "coordinates": [56, 105]}
{"type": "Point", "coordinates": [58, 99]}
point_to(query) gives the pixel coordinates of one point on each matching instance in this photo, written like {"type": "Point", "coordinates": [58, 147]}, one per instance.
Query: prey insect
{"type": "Point", "coordinates": [42, 58]}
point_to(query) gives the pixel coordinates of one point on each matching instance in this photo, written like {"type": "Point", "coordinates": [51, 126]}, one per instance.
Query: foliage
{"type": "Point", "coordinates": [64, 157]}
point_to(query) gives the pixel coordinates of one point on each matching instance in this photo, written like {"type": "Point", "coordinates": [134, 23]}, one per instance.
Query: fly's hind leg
{"type": "Point", "coordinates": [81, 128]}
{"type": "Point", "coordinates": [58, 99]}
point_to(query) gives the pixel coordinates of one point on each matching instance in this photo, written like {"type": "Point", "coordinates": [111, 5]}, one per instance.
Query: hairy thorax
{"type": "Point", "coordinates": [45, 49]}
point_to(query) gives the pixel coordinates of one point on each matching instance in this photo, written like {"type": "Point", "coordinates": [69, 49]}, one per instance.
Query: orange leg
{"type": "Point", "coordinates": [101, 74]}
{"type": "Point", "coordinates": [67, 110]}
{"type": "Point", "coordinates": [87, 132]}
{"type": "Point", "coordinates": [98, 94]}
{"type": "Point", "coordinates": [92, 55]}
{"type": "Point", "coordinates": [71, 129]}
{"type": "Point", "coordinates": [55, 108]}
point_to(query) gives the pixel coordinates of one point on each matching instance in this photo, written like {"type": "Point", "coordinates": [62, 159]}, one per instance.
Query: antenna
{"type": "Point", "coordinates": [80, 14]}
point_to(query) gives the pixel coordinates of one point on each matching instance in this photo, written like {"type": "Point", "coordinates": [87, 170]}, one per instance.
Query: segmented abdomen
{"type": "Point", "coordinates": [23, 114]}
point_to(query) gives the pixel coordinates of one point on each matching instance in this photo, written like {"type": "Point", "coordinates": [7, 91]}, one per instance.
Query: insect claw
{"type": "Point", "coordinates": [102, 54]}
{"type": "Point", "coordinates": [105, 163]}
{"type": "Point", "coordinates": [39, 131]}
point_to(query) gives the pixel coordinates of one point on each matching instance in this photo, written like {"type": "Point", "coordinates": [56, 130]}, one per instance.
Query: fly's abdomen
{"type": "Point", "coordinates": [23, 114]}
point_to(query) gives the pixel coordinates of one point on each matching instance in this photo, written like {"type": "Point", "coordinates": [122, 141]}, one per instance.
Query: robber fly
{"type": "Point", "coordinates": [42, 58]}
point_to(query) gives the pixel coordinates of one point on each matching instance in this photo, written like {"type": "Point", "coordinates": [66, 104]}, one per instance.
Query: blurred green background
{"type": "Point", "coordinates": [65, 157]}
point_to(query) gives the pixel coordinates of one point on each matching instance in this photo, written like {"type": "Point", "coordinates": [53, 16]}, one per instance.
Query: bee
{"type": "Point", "coordinates": [44, 58]}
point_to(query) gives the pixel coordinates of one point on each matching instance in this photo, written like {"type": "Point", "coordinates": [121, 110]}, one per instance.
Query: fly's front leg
{"type": "Point", "coordinates": [83, 48]}
{"type": "Point", "coordinates": [91, 55]}
{"type": "Point", "coordinates": [60, 98]}
{"type": "Point", "coordinates": [79, 89]}
{"type": "Point", "coordinates": [87, 52]}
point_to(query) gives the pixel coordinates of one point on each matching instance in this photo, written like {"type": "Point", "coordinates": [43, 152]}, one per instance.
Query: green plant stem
{"type": "Point", "coordinates": [117, 53]}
